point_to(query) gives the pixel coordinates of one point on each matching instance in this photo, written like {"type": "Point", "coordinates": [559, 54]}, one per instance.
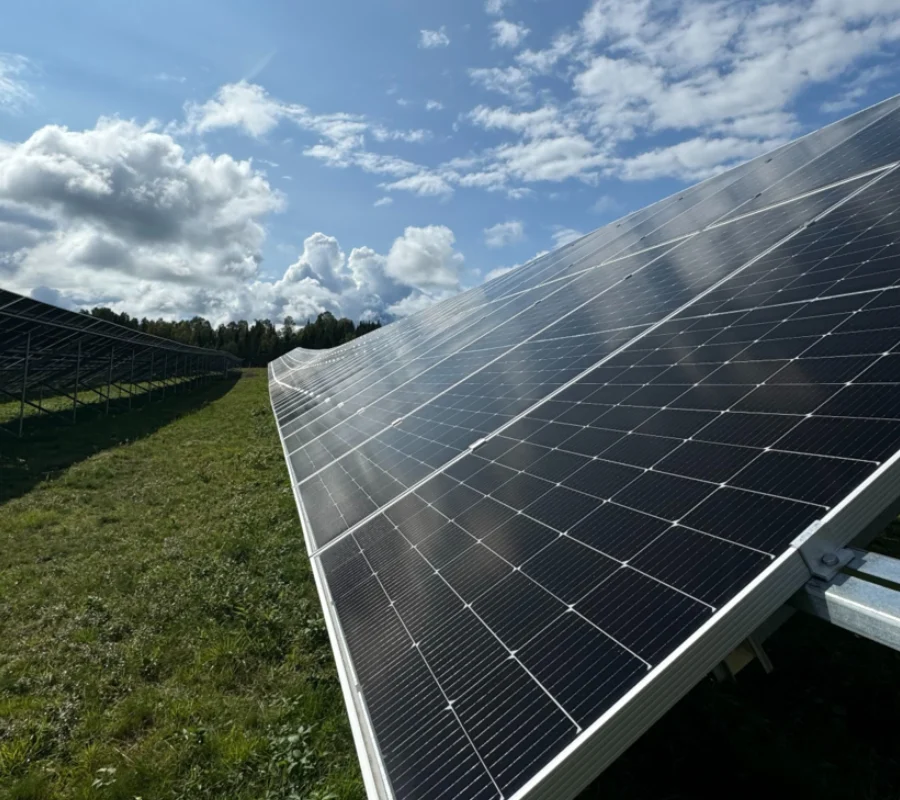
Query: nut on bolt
{"type": "Point", "coordinates": [830, 560]}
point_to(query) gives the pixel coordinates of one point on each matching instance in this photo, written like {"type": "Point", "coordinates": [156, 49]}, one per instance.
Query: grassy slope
{"type": "Point", "coordinates": [160, 638]}
{"type": "Point", "coordinates": [160, 635]}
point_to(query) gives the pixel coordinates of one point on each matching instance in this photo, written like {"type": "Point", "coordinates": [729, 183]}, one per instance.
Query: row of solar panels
{"type": "Point", "coordinates": [540, 510]}
{"type": "Point", "coordinates": [59, 351]}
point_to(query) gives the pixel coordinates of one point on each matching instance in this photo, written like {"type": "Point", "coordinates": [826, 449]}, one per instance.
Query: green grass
{"type": "Point", "coordinates": [160, 637]}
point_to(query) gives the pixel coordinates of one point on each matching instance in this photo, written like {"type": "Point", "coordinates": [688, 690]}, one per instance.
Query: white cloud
{"type": "Point", "coordinates": [519, 193]}
{"type": "Point", "coordinates": [542, 61]}
{"type": "Point", "coordinates": [249, 108]}
{"type": "Point", "coordinates": [552, 159]}
{"type": "Point", "coordinates": [544, 121]}
{"type": "Point", "coordinates": [236, 105]}
{"type": "Point", "coordinates": [562, 235]}
{"type": "Point", "coordinates": [120, 205]}
{"type": "Point", "coordinates": [636, 90]}
{"type": "Point", "coordinates": [342, 136]}
{"type": "Point", "coordinates": [384, 135]}
{"type": "Point", "coordinates": [14, 93]}
{"type": "Point", "coordinates": [694, 159]}
{"type": "Point", "coordinates": [504, 233]}
{"type": "Point", "coordinates": [722, 66]}
{"type": "Point", "coordinates": [724, 77]}
{"type": "Point", "coordinates": [511, 81]}
{"type": "Point", "coordinates": [433, 105]}
{"type": "Point", "coordinates": [425, 184]}
{"type": "Point", "coordinates": [429, 40]}
{"type": "Point", "coordinates": [495, 7]}
{"type": "Point", "coordinates": [120, 215]}
{"type": "Point", "coordinates": [425, 259]}
{"type": "Point", "coordinates": [383, 201]}
{"type": "Point", "coordinates": [509, 34]}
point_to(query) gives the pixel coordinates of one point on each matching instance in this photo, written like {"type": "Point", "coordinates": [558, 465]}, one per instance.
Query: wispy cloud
{"type": "Point", "coordinates": [165, 77]}
{"type": "Point", "coordinates": [14, 92]}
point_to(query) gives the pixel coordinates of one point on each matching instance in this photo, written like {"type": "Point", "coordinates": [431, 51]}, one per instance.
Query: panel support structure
{"type": "Point", "coordinates": [863, 599]}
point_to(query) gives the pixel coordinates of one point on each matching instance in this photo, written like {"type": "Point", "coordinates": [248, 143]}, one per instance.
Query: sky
{"type": "Point", "coordinates": [238, 159]}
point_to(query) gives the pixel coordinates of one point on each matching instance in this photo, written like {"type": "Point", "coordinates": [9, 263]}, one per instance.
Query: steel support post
{"type": "Point", "coordinates": [150, 381]}
{"type": "Point", "coordinates": [77, 379]}
{"type": "Point", "coordinates": [132, 379]}
{"type": "Point", "coordinates": [24, 381]}
{"type": "Point", "coordinates": [112, 354]}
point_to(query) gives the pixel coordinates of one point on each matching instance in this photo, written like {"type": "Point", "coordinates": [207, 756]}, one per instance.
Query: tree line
{"type": "Point", "coordinates": [256, 344]}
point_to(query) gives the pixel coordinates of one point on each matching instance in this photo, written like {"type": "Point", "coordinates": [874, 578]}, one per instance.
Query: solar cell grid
{"type": "Point", "coordinates": [434, 428]}
{"type": "Point", "coordinates": [646, 445]}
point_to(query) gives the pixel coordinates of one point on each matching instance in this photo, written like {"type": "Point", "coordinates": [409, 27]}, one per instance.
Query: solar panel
{"type": "Point", "coordinates": [541, 511]}
{"type": "Point", "coordinates": [63, 353]}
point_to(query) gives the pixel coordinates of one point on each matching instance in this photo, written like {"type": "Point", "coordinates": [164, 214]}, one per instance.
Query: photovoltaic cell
{"type": "Point", "coordinates": [527, 504]}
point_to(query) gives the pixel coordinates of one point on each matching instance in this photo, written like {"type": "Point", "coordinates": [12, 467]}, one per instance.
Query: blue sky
{"type": "Point", "coordinates": [269, 158]}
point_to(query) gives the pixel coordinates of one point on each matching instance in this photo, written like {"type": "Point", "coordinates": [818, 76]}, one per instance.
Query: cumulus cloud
{"type": "Point", "coordinates": [425, 259]}
{"type": "Point", "coordinates": [509, 34]}
{"type": "Point", "coordinates": [504, 233]}
{"type": "Point", "coordinates": [429, 40]}
{"type": "Point", "coordinates": [14, 92]}
{"type": "Point", "coordinates": [120, 215]}
{"type": "Point", "coordinates": [121, 203]}
{"type": "Point", "coordinates": [236, 105]}
{"type": "Point", "coordinates": [383, 201]}
{"type": "Point", "coordinates": [433, 105]}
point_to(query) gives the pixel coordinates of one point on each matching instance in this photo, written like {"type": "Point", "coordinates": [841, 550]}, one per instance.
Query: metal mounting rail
{"type": "Point", "coordinates": [863, 598]}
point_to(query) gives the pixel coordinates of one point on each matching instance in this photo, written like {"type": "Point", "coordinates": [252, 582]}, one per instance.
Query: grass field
{"type": "Point", "coordinates": [160, 637]}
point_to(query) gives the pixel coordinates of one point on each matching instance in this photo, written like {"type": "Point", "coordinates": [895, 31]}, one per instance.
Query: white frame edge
{"type": "Point", "coordinates": [370, 760]}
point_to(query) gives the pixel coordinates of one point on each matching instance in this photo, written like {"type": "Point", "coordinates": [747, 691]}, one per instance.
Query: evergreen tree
{"type": "Point", "coordinates": [256, 344]}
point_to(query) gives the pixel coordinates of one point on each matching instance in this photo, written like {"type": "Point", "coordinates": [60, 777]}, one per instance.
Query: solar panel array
{"type": "Point", "coordinates": [46, 351]}
{"type": "Point", "coordinates": [531, 505]}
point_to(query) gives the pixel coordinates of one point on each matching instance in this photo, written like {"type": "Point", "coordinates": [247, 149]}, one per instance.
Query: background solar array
{"type": "Point", "coordinates": [517, 525]}
{"type": "Point", "coordinates": [63, 352]}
